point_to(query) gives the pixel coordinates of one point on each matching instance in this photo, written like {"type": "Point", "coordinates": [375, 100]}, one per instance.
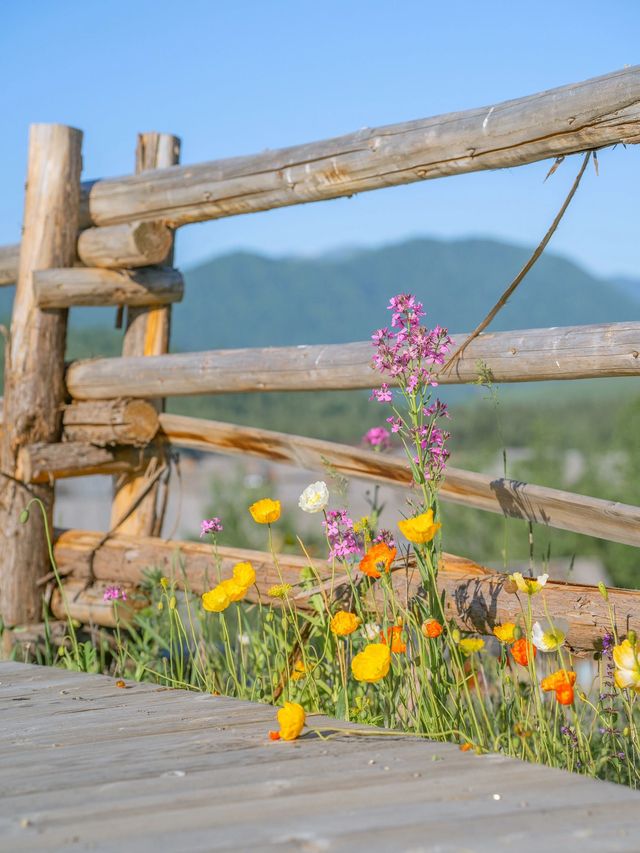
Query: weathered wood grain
{"type": "Point", "coordinates": [594, 113]}
{"type": "Point", "coordinates": [564, 510]}
{"type": "Point", "coordinates": [203, 773]}
{"type": "Point", "coordinates": [476, 596]}
{"type": "Point", "coordinates": [95, 286]}
{"type": "Point", "coordinates": [591, 114]}
{"type": "Point", "coordinates": [147, 334]}
{"type": "Point", "coordinates": [132, 244]}
{"type": "Point", "coordinates": [34, 368]}
{"type": "Point", "coordinates": [110, 422]}
{"type": "Point", "coordinates": [574, 352]}
{"type": "Point", "coordinates": [553, 507]}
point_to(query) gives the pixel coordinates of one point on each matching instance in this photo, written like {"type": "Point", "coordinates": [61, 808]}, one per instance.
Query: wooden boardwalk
{"type": "Point", "coordinates": [85, 765]}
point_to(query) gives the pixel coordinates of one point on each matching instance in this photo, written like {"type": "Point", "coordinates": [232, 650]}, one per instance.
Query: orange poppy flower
{"type": "Point", "coordinates": [561, 682]}
{"type": "Point", "coordinates": [394, 639]}
{"type": "Point", "coordinates": [565, 695]}
{"type": "Point", "coordinates": [432, 629]}
{"type": "Point", "coordinates": [520, 651]}
{"type": "Point", "coordinates": [378, 557]}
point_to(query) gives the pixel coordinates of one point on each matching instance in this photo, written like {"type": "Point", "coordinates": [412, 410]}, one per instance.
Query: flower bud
{"type": "Point", "coordinates": [455, 635]}
{"type": "Point", "coordinates": [510, 586]}
{"type": "Point", "coordinates": [24, 516]}
{"type": "Point", "coordinates": [632, 637]}
{"type": "Point", "coordinates": [603, 591]}
{"type": "Point", "coordinates": [517, 632]}
{"type": "Point", "coordinates": [172, 602]}
{"type": "Point", "coordinates": [582, 696]}
{"type": "Point", "coordinates": [626, 731]}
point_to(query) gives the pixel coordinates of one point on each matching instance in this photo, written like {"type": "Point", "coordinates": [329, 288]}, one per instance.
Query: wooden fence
{"type": "Point", "coordinates": [110, 242]}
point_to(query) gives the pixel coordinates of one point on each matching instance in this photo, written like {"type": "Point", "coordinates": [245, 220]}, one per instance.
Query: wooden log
{"type": "Point", "coordinates": [28, 643]}
{"type": "Point", "coordinates": [574, 352]}
{"type": "Point", "coordinates": [590, 516]}
{"type": "Point", "coordinates": [45, 463]}
{"type": "Point", "coordinates": [97, 286]}
{"type": "Point", "coordinates": [147, 334]}
{"type": "Point", "coordinates": [595, 113]}
{"type": "Point", "coordinates": [111, 422]}
{"type": "Point", "coordinates": [611, 520]}
{"type": "Point", "coordinates": [476, 596]}
{"type": "Point", "coordinates": [9, 263]}
{"type": "Point", "coordinates": [87, 603]}
{"type": "Point", "coordinates": [34, 369]}
{"type": "Point", "coordinates": [132, 244]}
{"type": "Point", "coordinates": [598, 112]}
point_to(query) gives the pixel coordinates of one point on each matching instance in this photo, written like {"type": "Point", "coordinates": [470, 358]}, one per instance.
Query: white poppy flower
{"type": "Point", "coordinates": [550, 636]}
{"type": "Point", "coordinates": [529, 585]}
{"type": "Point", "coordinates": [314, 498]}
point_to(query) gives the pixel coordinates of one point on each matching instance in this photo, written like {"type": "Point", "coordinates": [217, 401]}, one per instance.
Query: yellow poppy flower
{"type": "Point", "coordinates": [420, 529]}
{"type": "Point", "coordinates": [372, 664]}
{"type": "Point", "coordinates": [471, 645]}
{"type": "Point", "coordinates": [505, 632]}
{"type": "Point", "coordinates": [265, 511]}
{"type": "Point", "coordinates": [344, 623]}
{"type": "Point", "coordinates": [216, 599]}
{"type": "Point", "coordinates": [233, 590]}
{"type": "Point", "coordinates": [244, 574]}
{"type": "Point", "coordinates": [627, 674]}
{"type": "Point", "coordinates": [529, 585]}
{"type": "Point", "coordinates": [291, 718]}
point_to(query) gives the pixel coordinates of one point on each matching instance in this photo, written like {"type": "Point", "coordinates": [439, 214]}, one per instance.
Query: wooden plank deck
{"type": "Point", "coordinates": [85, 765]}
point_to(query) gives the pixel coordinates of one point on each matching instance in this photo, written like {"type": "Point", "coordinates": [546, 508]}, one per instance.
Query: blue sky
{"type": "Point", "coordinates": [238, 77]}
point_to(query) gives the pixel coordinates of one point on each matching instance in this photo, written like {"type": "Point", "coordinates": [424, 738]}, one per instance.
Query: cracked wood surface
{"type": "Point", "coordinates": [85, 765]}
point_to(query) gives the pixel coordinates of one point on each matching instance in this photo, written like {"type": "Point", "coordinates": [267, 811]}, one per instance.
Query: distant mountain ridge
{"type": "Point", "coordinates": [248, 299]}
{"type": "Point", "coordinates": [245, 298]}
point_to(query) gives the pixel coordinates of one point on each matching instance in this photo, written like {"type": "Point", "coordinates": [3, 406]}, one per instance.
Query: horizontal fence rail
{"type": "Point", "coordinates": [96, 286]}
{"type": "Point", "coordinates": [590, 516]}
{"type": "Point", "coordinates": [475, 596]}
{"type": "Point", "coordinates": [598, 112]}
{"type": "Point", "coordinates": [591, 114]}
{"type": "Point", "coordinates": [573, 352]}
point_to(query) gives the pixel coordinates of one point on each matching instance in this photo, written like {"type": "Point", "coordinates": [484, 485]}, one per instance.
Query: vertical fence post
{"type": "Point", "coordinates": [34, 366]}
{"type": "Point", "coordinates": [147, 333]}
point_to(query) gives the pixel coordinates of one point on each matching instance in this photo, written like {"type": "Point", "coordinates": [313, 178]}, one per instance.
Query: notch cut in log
{"type": "Point", "coordinates": [107, 423]}
{"type": "Point", "coordinates": [475, 596]}
{"type": "Point", "coordinates": [63, 288]}
{"type": "Point", "coordinates": [572, 352]}
{"type": "Point", "coordinates": [134, 244]}
{"type": "Point", "coordinates": [589, 516]}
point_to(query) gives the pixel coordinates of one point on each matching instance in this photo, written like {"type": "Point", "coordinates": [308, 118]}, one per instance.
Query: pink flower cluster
{"type": "Point", "coordinates": [433, 441]}
{"type": "Point", "coordinates": [343, 540]}
{"type": "Point", "coordinates": [378, 438]}
{"type": "Point", "coordinates": [210, 525]}
{"type": "Point", "coordinates": [114, 593]}
{"type": "Point", "coordinates": [409, 354]}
